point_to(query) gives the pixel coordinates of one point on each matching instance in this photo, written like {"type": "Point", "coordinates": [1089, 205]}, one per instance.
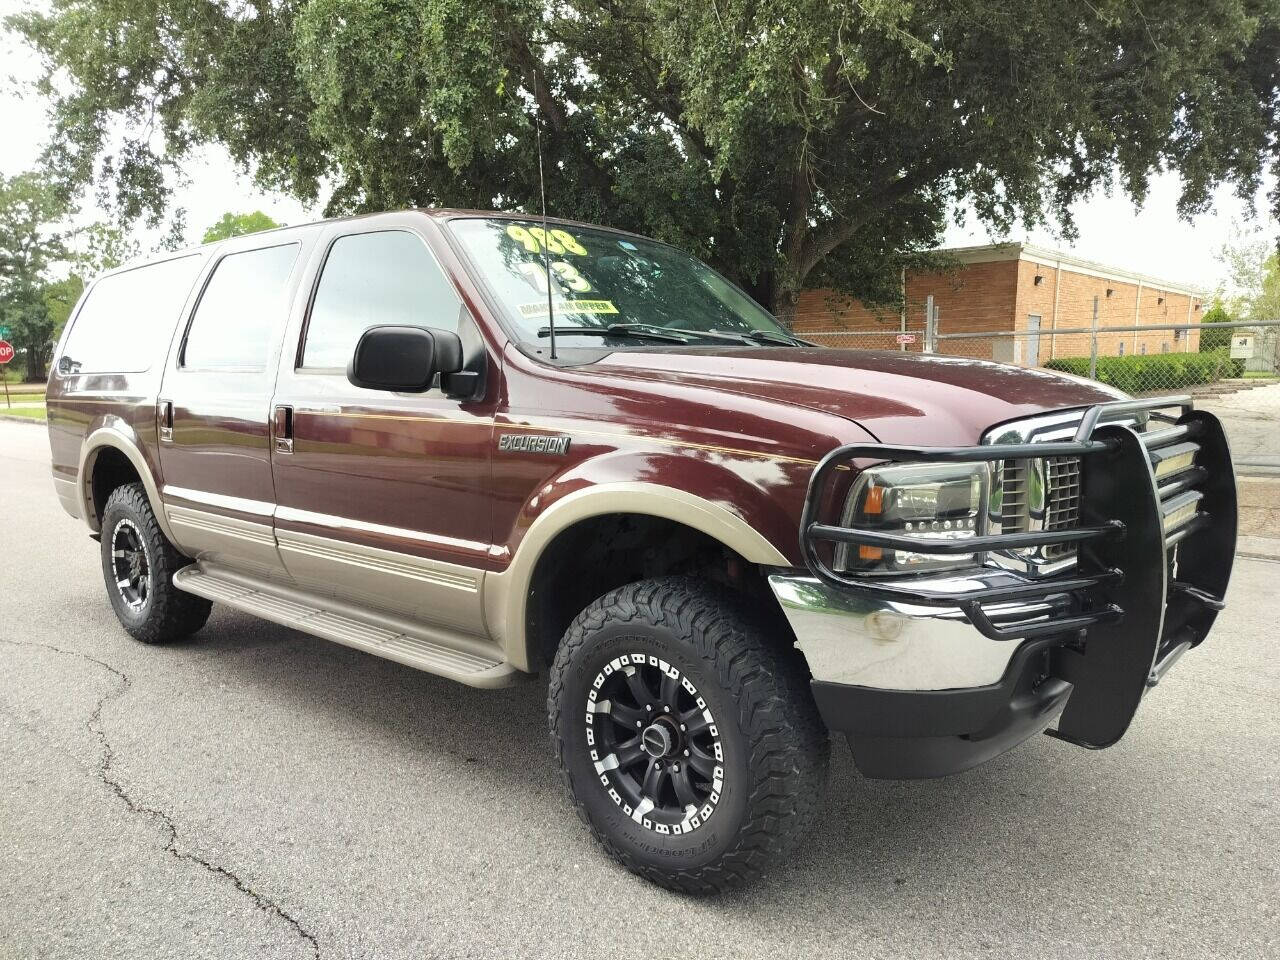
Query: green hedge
{"type": "Point", "coordinates": [1157, 371]}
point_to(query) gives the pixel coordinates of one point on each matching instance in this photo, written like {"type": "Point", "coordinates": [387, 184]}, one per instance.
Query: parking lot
{"type": "Point", "coordinates": [259, 792]}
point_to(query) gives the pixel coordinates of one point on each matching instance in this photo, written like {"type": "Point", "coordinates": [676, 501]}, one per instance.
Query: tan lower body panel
{"type": "Point", "coordinates": [219, 539]}
{"type": "Point", "coordinates": [68, 495]}
{"type": "Point", "coordinates": [402, 584]}
{"type": "Point", "coordinates": [458, 656]}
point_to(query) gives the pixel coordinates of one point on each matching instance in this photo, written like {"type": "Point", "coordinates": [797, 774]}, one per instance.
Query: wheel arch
{"type": "Point", "coordinates": [507, 594]}
{"type": "Point", "coordinates": [112, 441]}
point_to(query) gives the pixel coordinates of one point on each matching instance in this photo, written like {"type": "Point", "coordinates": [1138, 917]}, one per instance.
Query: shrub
{"type": "Point", "coordinates": [1210, 339]}
{"type": "Point", "coordinates": [1155, 372]}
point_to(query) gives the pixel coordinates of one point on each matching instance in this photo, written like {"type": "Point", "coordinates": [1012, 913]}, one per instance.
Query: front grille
{"type": "Point", "coordinates": [1062, 500]}
{"type": "Point", "coordinates": [1039, 495]}
{"type": "Point", "coordinates": [1013, 496]}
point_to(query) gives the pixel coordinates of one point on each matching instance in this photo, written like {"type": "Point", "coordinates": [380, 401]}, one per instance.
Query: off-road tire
{"type": "Point", "coordinates": [167, 613]}
{"type": "Point", "coordinates": [775, 745]}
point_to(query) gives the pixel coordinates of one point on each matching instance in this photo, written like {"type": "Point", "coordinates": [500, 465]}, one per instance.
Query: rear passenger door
{"type": "Point", "coordinates": [214, 406]}
{"type": "Point", "coordinates": [382, 497]}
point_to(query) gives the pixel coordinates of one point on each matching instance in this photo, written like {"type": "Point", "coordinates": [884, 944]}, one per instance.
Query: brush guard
{"type": "Point", "coordinates": [1150, 576]}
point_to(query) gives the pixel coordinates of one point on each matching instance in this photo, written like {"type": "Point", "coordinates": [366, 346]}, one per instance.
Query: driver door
{"type": "Point", "coordinates": [382, 498]}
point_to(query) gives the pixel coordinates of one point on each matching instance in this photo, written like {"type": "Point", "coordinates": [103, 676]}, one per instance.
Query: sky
{"type": "Point", "coordinates": [1152, 239]}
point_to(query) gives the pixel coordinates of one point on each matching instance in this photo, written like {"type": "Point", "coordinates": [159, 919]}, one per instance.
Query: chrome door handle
{"type": "Point", "coordinates": [164, 420]}
{"type": "Point", "coordinates": [282, 428]}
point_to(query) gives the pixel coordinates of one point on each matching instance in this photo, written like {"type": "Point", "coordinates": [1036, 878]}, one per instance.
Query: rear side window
{"type": "Point", "coordinates": [370, 279]}
{"type": "Point", "coordinates": [125, 323]}
{"type": "Point", "coordinates": [238, 310]}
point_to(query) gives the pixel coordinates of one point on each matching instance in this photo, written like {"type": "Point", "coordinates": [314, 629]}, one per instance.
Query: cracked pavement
{"type": "Point", "coordinates": [256, 792]}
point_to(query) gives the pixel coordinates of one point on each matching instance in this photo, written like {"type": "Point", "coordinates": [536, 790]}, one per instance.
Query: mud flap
{"type": "Point", "coordinates": [1171, 591]}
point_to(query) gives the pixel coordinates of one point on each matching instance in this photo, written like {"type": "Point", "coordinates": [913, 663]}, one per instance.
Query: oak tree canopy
{"type": "Point", "coordinates": [789, 143]}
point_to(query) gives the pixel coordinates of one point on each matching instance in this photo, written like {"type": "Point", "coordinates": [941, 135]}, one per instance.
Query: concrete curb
{"type": "Point", "coordinates": [1258, 548]}
{"type": "Point", "coordinates": [9, 419]}
{"type": "Point", "coordinates": [1259, 507]}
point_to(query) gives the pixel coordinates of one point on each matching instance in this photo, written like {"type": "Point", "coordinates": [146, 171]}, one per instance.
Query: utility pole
{"type": "Point", "coordinates": [1093, 343]}
{"type": "Point", "coordinates": [930, 324]}
{"type": "Point", "coordinates": [902, 316]}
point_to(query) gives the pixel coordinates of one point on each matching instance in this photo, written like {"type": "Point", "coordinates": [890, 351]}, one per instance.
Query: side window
{"type": "Point", "coordinates": [239, 308]}
{"type": "Point", "coordinates": [370, 279]}
{"type": "Point", "coordinates": [125, 324]}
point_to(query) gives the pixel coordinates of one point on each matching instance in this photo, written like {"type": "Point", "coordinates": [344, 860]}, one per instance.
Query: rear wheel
{"type": "Point", "coordinates": [138, 564]}
{"type": "Point", "coordinates": [690, 744]}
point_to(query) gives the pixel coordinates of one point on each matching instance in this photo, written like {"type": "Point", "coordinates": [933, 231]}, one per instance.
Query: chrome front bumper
{"type": "Point", "coordinates": [855, 638]}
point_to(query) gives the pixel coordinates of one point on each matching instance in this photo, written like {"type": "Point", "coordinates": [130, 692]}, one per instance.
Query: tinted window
{"type": "Point", "coordinates": [126, 321]}
{"type": "Point", "coordinates": [371, 279]}
{"type": "Point", "coordinates": [239, 308]}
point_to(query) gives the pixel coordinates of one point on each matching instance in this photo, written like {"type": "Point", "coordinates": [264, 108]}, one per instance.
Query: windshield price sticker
{"type": "Point", "coordinates": [568, 306]}
{"type": "Point", "coordinates": [536, 274]}
{"type": "Point", "coordinates": [557, 241]}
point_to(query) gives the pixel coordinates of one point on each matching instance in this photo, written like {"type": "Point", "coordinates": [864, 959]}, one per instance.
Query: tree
{"type": "Point", "coordinates": [789, 143]}
{"type": "Point", "coordinates": [30, 243]}
{"type": "Point", "coordinates": [43, 263]}
{"type": "Point", "coordinates": [1251, 290]}
{"type": "Point", "coordinates": [237, 225]}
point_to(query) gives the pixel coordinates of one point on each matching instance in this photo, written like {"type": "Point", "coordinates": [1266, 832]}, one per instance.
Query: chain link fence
{"type": "Point", "coordinates": [1232, 369]}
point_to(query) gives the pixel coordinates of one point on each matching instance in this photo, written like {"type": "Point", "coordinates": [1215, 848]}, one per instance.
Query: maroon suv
{"type": "Point", "coordinates": [487, 446]}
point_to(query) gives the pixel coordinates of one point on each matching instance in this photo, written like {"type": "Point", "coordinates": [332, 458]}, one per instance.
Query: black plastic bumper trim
{"type": "Point", "coordinates": [915, 734]}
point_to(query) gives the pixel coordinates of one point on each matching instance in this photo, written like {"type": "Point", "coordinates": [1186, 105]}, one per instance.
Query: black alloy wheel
{"type": "Point", "coordinates": [655, 743]}
{"type": "Point", "coordinates": [129, 564]}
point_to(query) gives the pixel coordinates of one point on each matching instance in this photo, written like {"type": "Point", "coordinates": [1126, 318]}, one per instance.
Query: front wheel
{"type": "Point", "coordinates": [690, 744]}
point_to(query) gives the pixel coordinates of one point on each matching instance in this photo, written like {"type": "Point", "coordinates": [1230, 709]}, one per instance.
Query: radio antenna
{"type": "Point", "coordinates": [542, 189]}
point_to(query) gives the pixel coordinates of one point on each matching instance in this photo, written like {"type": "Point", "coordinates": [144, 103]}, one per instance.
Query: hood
{"type": "Point", "coordinates": [901, 398]}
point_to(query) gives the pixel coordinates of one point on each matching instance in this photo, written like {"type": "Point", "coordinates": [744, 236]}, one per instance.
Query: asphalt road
{"type": "Point", "coordinates": [258, 792]}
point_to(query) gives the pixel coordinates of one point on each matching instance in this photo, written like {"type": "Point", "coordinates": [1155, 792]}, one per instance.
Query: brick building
{"type": "Point", "coordinates": [1020, 287]}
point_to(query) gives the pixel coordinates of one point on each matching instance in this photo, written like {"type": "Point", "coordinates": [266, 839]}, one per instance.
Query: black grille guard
{"type": "Point", "coordinates": [1150, 576]}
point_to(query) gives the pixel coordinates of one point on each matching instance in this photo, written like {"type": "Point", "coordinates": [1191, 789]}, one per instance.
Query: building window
{"type": "Point", "coordinates": [1164, 347]}
{"type": "Point", "coordinates": [1121, 353]}
{"type": "Point", "coordinates": [1177, 335]}
{"type": "Point", "coordinates": [1143, 351]}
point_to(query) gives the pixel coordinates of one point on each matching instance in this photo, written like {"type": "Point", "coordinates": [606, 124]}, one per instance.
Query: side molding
{"type": "Point", "coordinates": [506, 594]}
{"type": "Point", "coordinates": [93, 445]}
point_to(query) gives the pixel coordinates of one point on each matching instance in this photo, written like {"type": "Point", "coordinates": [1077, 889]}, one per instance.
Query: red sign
{"type": "Point", "coordinates": [905, 338]}
{"type": "Point", "coordinates": [6, 351]}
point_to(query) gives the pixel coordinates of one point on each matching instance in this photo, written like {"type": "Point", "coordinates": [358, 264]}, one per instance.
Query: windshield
{"type": "Point", "coordinates": [601, 280]}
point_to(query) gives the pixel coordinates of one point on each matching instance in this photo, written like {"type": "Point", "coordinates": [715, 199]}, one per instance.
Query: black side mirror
{"type": "Point", "coordinates": [404, 359]}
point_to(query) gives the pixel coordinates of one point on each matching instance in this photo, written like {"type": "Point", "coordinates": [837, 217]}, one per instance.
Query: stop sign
{"type": "Point", "coordinates": [6, 351]}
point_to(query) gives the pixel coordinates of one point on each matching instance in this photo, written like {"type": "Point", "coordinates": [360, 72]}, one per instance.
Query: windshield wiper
{"type": "Point", "coordinates": [769, 336]}
{"type": "Point", "coordinates": [640, 330]}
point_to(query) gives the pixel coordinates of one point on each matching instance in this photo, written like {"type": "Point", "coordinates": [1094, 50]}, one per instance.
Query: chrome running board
{"type": "Point", "coordinates": [472, 661]}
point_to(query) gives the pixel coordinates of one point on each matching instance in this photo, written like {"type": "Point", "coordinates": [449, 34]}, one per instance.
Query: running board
{"type": "Point", "coordinates": [341, 623]}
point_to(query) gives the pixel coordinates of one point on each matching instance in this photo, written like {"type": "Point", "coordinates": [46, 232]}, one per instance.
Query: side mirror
{"type": "Point", "coordinates": [404, 359]}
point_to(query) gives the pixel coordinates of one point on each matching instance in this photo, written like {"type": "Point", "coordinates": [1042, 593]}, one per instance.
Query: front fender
{"type": "Point", "coordinates": [740, 508]}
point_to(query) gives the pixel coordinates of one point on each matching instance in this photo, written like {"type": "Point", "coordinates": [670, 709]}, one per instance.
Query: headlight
{"type": "Point", "coordinates": [941, 500]}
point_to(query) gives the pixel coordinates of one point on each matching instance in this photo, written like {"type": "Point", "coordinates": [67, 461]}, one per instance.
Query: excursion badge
{"type": "Point", "coordinates": [555, 444]}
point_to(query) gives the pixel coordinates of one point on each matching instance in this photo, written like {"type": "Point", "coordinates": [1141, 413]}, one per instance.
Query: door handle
{"type": "Point", "coordinates": [282, 428]}
{"type": "Point", "coordinates": [164, 420]}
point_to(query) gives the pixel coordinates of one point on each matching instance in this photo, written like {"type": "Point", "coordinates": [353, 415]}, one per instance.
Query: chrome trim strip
{"type": "Point", "coordinates": [332, 522]}
{"type": "Point", "coordinates": [259, 508]}
{"type": "Point", "coordinates": [379, 561]}
{"type": "Point", "coordinates": [223, 526]}
{"type": "Point", "coordinates": [848, 637]}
